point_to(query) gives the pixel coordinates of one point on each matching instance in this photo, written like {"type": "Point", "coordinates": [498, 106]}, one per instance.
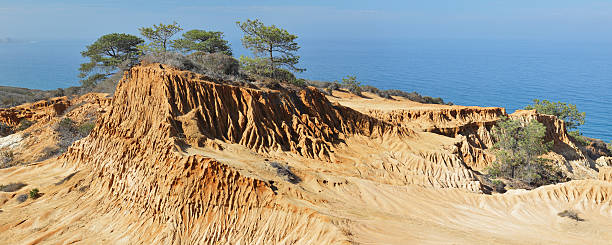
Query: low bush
{"type": "Point", "coordinates": [570, 214]}
{"type": "Point", "coordinates": [285, 172]}
{"type": "Point", "coordinates": [216, 62]}
{"type": "Point", "coordinates": [12, 187]}
{"type": "Point", "coordinates": [22, 198]}
{"type": "Point", "coordinates": [85, 128]}
{"type": "Point", "coordinates": [205, 65]}
{"type": "Point", "coordinates": [351, 84]}
{"type": "Point", "coordinates": [66, 124]}
{"type": "Point", "coordinates": [333, 86]}
{"type": "Point", "coordinates": [578, 137]}
{"type": "Point", "coordinates": [370, 89]}
{"type": "Point", "coordinates": [567, 112]}
{"type": "Point", "coordinates": [7, 158]}
{"type": "Point", "coordinates": [34, 193]}
{"type": "Point", "coordinates": [173, 59]}
{"type": "Point", "coordinates": [498, 185]}
{"type": "Point", "coordinates": [300, 82]}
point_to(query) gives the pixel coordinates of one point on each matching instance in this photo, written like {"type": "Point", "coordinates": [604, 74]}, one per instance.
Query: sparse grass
{"type": "Point", "coordinates": [12, 187]}
{"type": "Point", "coordinates": [570, 214]}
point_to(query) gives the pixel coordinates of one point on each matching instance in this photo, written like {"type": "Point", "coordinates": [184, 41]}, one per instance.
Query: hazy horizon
{"type": "Point", "coordinates": [516, 20]}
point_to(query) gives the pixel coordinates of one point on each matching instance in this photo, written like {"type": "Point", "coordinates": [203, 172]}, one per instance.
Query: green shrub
{"type": "Point", "coordinates": [333, 86]}
{"type": "Point", "coordinates": [567, 112]}
{"type": "Point", "coordinates": [300, 82]}
{"type": "Point", "coordinates": [498, 185]}
{"type": "Point", "coordinates": [85, 128]}
{"type": "Point", "coordinates": [578, 137]}
{"type": "Point", "coordinates": [172, 59]}
{"type": "Point", "coordinates": [34, 193]}
{"type": "Point", "coordinates": [517, 150]}
{"type": "Point", "coordinates": [351, 84]}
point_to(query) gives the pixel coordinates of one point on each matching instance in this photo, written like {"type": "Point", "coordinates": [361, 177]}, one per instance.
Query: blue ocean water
{"type": "Point", "coordinates": [506, 73]}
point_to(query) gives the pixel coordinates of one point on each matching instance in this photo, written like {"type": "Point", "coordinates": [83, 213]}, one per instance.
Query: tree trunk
{"type": "Point", "coordinates": [271, 59]}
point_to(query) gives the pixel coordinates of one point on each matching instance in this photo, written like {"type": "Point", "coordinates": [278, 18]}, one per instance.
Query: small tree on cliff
{"type": "Point", "coordinates": [202, 41]}
{"type": "Point", "coordinates": [107, 55]}
{"type": "Point", "coordinates": [160, 36]}
{"type": "Point", "coordinates": [274, 44]}
{"type": "Point", "coordinates": [567, 112]}
{"type": "Point", "coordinates": [517, 151]}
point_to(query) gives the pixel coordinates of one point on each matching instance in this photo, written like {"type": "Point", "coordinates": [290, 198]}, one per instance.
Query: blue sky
{"type": "Point", "coordinates": [588, 20]}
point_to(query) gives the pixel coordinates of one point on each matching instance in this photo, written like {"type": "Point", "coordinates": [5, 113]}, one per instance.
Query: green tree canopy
{"type": "Point", "coordinates": [352, 85]}
{"type": "Point", "coordinates": [566, 112]}
{"type": "Point", "coordinates": [271, 42]}
{"type": "Point", "coordinates": [160, 36]}
{"type": "Point", "coordinates": [518, 148]}
{"type": "Point", "coordinates": [106, 55]}
{"type": "Point", "coordinates": [203, 41]}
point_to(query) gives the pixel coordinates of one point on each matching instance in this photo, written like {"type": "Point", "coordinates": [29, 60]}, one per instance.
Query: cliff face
{"type": "Point", "coordinates": [42, 110]}
{"type": "Point", "coordinates": [157, 110]}
{"type": "Point", "coordinates": [471, 126]}
{"type": "Point", "coordinates": [36, 133]}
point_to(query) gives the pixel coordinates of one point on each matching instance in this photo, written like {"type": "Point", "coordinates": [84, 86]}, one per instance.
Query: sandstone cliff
{"type": "Point", "coordinates": [177, 158]}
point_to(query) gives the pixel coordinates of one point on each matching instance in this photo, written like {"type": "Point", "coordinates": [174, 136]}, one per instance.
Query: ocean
{"type": "Point", "coordinates": [505, 73]}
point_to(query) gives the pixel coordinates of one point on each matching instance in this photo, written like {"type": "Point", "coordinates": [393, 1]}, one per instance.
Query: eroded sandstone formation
{"type": "Point", "coordinates": [177, 158]}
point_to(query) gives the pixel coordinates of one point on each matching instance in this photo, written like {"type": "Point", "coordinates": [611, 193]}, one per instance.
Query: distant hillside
{"type": "Point", "coordinates": [12, 96]}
